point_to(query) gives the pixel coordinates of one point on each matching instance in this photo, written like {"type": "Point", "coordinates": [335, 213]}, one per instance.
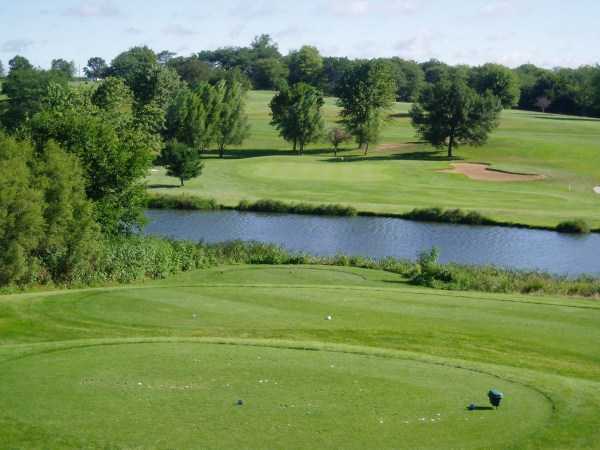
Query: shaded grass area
{"type": "Point", "coordinates": [138, 366]}
{"type": "Point", "coordinates": [401, 175]}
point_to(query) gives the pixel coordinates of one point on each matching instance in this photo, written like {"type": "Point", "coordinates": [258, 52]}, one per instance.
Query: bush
{"type": "Point", "coordinates": [573, 226]}
{"type": "Point", "coordinates": [276, 206]}
{"type": "Point", "coordinates": [183, 202]}
{"type": "Point", "coordinates": [454, 216]}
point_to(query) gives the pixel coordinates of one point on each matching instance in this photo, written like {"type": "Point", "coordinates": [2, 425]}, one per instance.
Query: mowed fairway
{"type": "Point", "coordinates": [402, 174]}
{"type": "Point", "coordinates": [164, 364]}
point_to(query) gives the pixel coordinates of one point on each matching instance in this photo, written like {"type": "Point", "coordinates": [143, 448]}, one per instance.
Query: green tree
{"type": "Point", "coordinates": [192, 70]}
{"type": "Point", "coordinates": [96, 68]}
{"type": "Point", "coordinates": [25, 88]}
{"type": "Point", "coordinates": [449, 113]}
{"type": "Point", "coordinates": [47, 232]}
{"type": "Point", "coordinates": [19, 63]}
{"type": "Point", "coordinates": [232, 124]}
{"type": "Point", "coordinates": [113, 147]}
{"type": "Point", "coordinates": [306, 66]}
{"type": "Point", "coordinates": [269, 73]}
{"type": "Point", "coordinates": [296, 113]}
{"type": "Point", "coordinates": [113, 95]}
{"type": "Point", "coordinates": [181, 161]}
{"type": "Point", "coordinates": [21, 220]}
{"type": "Point", "coordinates": [70, 236]}
{"type": "Point", "coordinates": [499, 80]}
{"type": "Point", "coordinates": [63, 66]}
{"type": "Point", "coordinates": [365, 92]}
{"type": "Point", "coordinates": [2, 73]}
{"type": "Point", "coordinates": [185, 119]}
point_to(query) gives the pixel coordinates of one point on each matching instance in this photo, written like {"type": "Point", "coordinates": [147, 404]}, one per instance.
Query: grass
{"type": "Point", "coordinates": [403, 174]}
{"type": "Point", "coordinates": [163, 364]}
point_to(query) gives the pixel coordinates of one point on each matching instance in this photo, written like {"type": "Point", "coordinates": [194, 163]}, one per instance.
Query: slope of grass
{"type": "Point", "coordinates": [402, 174]}
{"type": "Point", "coordinates": [163, 365]}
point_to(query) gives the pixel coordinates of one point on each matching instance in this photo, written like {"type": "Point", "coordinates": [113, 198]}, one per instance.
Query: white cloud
{"type": "Point", "coordinates": [16, 45]}
{"type": "Point", "coordinates": [89, 9]}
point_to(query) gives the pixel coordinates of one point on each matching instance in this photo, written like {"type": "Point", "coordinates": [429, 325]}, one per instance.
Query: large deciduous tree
{"type": "Point", "coordinates": [96, 68]}
{"type": "Point", "coordinates": [232, 124]}
{"type": "Point", "coordinates": [365, 92]}
{"type": "Point", "coordinates": [449, 113]}
{"type": "Point", "coordinates": [64, 66]}
{"type": "Point", "coordinates": [499, 80]}
{"type": "Point", "coordinates": [296, 113]}
{"type": "Point", "coordinates": [306, 66]}
{"type": "Point", "coordinates": [112, 145]}
{"type": "Point", "coordinates": [25, 88]}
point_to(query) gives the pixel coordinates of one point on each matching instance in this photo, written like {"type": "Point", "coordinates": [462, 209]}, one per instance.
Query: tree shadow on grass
{"type": "Point", "coordinates": [407, 156]}
{"type": "Point", "coordinates": [163, 186]}
{"type": "Point", "coordinates": [246, 153]}
{"type": "Point", "coordinates": [571, 119]}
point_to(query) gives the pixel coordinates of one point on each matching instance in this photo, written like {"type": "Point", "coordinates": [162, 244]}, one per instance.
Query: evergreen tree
{"type": "Point", "coordinates": [232, 126]}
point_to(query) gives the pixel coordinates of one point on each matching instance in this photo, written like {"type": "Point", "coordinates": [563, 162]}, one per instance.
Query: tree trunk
{"type": "Point", "coordinates": [335, 151]}
{"type": "Point", "coordinates": [295, 144]}
{"type": "Point", "coordinates": [450, 146]}
{"type": "Point", "coordinates": [366, 148]}
{"type": "Point", "coordinates": [221, 151]}
{"type": "Point", "coordinates": [301, 148]}
{"type": "Point", "coordinates": [181, 179]}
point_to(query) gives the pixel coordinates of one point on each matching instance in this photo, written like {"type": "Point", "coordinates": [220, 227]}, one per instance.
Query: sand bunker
{"type": "Point", "coordinates": [482, 172]}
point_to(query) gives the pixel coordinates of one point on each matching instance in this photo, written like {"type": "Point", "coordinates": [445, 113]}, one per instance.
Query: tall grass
{"type": "Point", "coordinates": [136, 258]}
{"type": "Point", "coordinates": [182, 202]}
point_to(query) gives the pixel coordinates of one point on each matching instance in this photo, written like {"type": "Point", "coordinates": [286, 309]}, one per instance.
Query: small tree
{"type": "Point", "coordinates": [338, 136]}
{"type": "Point", "coordinates": [297, 115]}
{"type": "Point", "coordinates": [543, 103]}
{"type": "Point", "coordinates": [181, 161]}
{"type": "Point", "coordinates": [450, 113]}
{"type": "Point", "coordinates": [232, 124]}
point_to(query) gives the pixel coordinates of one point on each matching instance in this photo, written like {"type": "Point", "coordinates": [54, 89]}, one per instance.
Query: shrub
{"type": "Point", "coordinates": [276, 206]}
{"type": "Point", "coordinates": [454, 216]}
{"type": "Point", "coordinates": [183, 202]}
{"type": "Point", "coordinates": [577, 226]}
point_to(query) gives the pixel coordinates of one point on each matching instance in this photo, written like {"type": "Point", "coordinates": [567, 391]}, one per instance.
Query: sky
{"type": "Point", "coordinates": [547, 33]}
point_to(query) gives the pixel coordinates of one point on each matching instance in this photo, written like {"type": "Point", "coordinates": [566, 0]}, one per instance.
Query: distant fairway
{"type": "Point", "coordinates": [163, 365]}
{"type": "Point", "coordinates": [402, 174]}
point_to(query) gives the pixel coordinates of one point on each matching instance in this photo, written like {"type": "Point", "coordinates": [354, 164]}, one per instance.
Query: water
{"type": "Point", "coordinates": [380, 237]}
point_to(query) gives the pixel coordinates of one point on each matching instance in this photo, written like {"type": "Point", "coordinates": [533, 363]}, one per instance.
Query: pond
{"type": "Point", "coordinates": [379, 237]}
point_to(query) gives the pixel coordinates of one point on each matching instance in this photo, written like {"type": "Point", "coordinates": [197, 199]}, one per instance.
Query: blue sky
{"type": "Point", "coordinates": [545, 32]}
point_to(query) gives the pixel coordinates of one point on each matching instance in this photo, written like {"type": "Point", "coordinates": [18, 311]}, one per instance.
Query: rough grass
{"type": "Point", "coordinates": [137, 367]}
{"type": "Point", "coordinates": [404, 175]}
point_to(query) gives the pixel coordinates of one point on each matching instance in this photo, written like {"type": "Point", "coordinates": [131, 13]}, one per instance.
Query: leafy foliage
{"type": "Point", "coordinates": [364, 93]}
{"type": "Point", "coordinates": [500, 81]}
{"type": "Point", "coordinates": [47, 231]}
{"type": "Point", "coordinates": [113, 147]}
{"type": "Point", "coordinates": [181, 161]}
{"type": "Point", "coordinates": [296, 113]}
{"type": "Point", "coordinates": [450, 113]}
